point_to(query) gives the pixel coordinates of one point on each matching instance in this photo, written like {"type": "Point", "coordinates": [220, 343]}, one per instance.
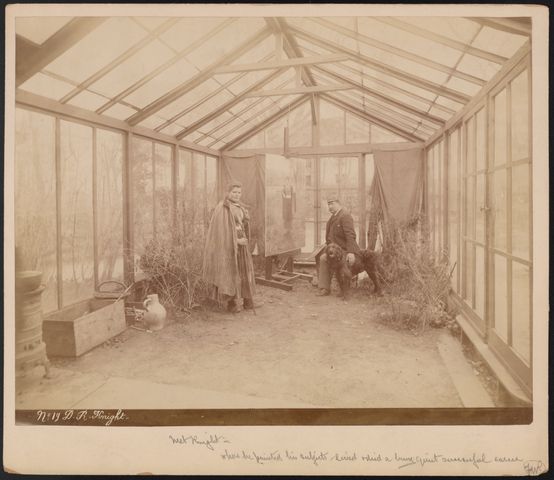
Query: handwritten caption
{"type": "Point", "coordinates": [222, 446]}
{"type": "Point", "coordinates": [82, 416]}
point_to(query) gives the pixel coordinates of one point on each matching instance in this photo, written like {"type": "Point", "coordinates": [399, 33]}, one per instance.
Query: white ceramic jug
{"type": "Point", "coordinates": [155, 315]}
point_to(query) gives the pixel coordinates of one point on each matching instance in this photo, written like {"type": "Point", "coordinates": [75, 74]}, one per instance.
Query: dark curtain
{"type": "Point", "coordinates": [250, 172]}
{"type": "Point", "coordinates": [396, 192]}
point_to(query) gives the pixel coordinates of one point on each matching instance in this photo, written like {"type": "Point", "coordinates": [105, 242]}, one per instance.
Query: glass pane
{"type": "Point", "coordinates": [142, 187]}
{"type": "Point", "coordinates": [163, 198]}
{"type": "Point", "coordinates": [481, 140]}
{"type": "Point", "coordinates": [304, 205]}
{"type": "Point", "coordinates": [275, 134]}
{"type": "Point", "coordinates": [470, 207]}
{"type": "Point", "coordinates": [211, 182]}
{"type": "Point", "coordinates": [35, 199]}
{"type": "Point", "coordinates": [184, 189]}
{"type": "Point", "coordinates": [479, 281]}
{"type": "Point", "coordinates": [430, 190]}
{"type": "Point", "coordinates": [76, 212]}
{"type": "Point", "coordinates": [479, 211]}
{"type": "Point", "coordinates": [300, 126]}
{"type": "Point", "coordinates": [380, 135]}
{"type": "Point", "coordinates": [469, 265]}
{"type": "Point", "coordinates": [470, 136]}
{"type": "Point", "coordinates": [500, 219]}
{"type": "Point", "coordinates": [500, 128]}
{"type": "Point", "coordinates": [520, 211]}
{"type": "Point", "coordinates": [109, 204]}
{"type": "Point", "coordinates": [199, 192]}
{"type": "Point", "coordinates": [501, 297]}
{"type": "Point", "coordinates": [331, 124]}
{"type": "Point", "coordinates": [520, 117]}
{"type": "Point", "coordinates": [453, 206]}
{"type": "Point", "coordinates": [437, 199]}
{"type": "Point", "coordinates": [357, 130]}
{"type": "Point", "coordinates": [521, 313]}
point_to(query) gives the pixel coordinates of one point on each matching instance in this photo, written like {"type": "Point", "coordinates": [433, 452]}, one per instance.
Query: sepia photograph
{"type": "Point", "coordinates": [238, 216]}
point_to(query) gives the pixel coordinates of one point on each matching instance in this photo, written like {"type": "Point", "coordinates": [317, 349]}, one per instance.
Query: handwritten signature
{"type": "Point", "coordinates": [534, 467]}
{"type": "Point", "coordinates": [207, 442]}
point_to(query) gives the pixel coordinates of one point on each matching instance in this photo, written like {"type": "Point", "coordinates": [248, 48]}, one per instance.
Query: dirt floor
{"type": "Point", "coordinates": [299, 350]}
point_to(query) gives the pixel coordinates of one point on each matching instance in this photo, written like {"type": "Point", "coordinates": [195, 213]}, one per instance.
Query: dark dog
{"type": "Point", "coordinates": [368, 262]}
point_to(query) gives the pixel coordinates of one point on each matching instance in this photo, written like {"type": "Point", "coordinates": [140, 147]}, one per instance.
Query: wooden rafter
{"type": "Point", "coordinates": [390, 86]}
{"type": "Point", "coordinates": [442, 40]}
{"type": "Point", "coordinates": [504, 24]}
{"type": "Point", "coordinates": [120, 59]}
{"type": "Point", "coordinates": [248, 120]}
{"type": "Point", "coordinates": [188, 49]}
{"type": "Point", "coordinates": [385, 98]}
{"type": "Point", "coordinates": [387, 69]}
{"type": "Point", "coordinates": [230, 104]}
{"type": "Point", "coordinates": [299, 90]}
{"type": "Point", "coordinates": [198, 79]}
{"type": "Point", "coordinates": [33, 101]}
{"type": "Point", "coordinates": [399, 52]}
{"type": "Point", "coordinates": [279, 25]}
{"type": "Point", "coordinates": [31, 61]}
{"type": "Point", "coordinates": [290, 62]}
{"type": "Point", "coordinates": [204, 99]}
{"type": "Point", "coordinates": [265, 123]}
{"type": "Point", "coordinates": [371, 118]}
{"type": "Point", "coordinates": [393, 117]}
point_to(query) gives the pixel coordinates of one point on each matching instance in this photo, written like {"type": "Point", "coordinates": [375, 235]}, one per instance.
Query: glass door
{"type": "Point", "coordinates": [510, 329]}
{"type": "Point", "coordinates": [474, 217]}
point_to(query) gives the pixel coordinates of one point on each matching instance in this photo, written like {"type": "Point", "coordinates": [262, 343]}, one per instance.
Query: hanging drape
{"type": "Point", "coordinates": [250, 172]}
{"type": "Point", "coordinates": [397, 190]}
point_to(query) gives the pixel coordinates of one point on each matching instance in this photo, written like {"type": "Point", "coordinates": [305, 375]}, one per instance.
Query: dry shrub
{"type": "Point", "coordinates": [417, 280]}
{"type": "Point", "coordinates": [174, 267]}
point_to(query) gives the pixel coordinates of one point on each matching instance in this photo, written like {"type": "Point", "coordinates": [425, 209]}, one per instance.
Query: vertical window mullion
{"type": "Point", "coordinates": [509, 207]}
{"type": "Point", "coordinates": [94, 207]}
{"type": "Point", "coordinates": [59, 213]}
{"type": "Point", "coordinates": [154, 191]}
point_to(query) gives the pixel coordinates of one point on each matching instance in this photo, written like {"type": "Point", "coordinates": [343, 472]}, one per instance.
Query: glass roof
{"type": "Point", "coordinates": [215, 80]}
{"type": "Point", "coordinates": [39, 29]}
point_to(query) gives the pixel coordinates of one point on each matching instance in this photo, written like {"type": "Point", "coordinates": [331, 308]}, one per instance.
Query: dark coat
{"type": "Point", "coordinates": [340, 230]}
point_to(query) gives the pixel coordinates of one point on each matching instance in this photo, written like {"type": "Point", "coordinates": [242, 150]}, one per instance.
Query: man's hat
{"type": "Point", "coordinates": [333, 198]}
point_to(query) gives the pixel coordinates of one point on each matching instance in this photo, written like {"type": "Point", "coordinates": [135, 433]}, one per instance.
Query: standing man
{"type": "Point", "coordinates": [340, 230]}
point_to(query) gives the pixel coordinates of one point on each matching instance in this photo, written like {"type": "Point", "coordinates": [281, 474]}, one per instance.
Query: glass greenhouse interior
{"type": "Point", "coordinates": [122, 124]}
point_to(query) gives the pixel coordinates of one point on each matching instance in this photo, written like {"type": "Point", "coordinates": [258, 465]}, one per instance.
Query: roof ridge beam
{"type": "Point", "coordinates": [392, 71]}
{"type": "Point", "coordinates": [202, 76]}
{"type": "Point", "coordinates": [399, 52]}
{"type": "Point", "coordinates": [446, 41]}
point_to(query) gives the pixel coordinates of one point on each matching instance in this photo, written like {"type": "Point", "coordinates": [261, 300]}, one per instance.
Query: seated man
{"type": "Point", "coordinates": [340, 230]}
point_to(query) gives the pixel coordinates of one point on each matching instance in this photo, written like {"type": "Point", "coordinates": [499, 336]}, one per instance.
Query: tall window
{"type": "Point", "coordinates": [109, 205]}
{"type": "Point", "coordinates": [77, 247]}
{"type": "Point", "coordinates": [142, 188]}
{"type": "Point", "coordinates": [35, 199]}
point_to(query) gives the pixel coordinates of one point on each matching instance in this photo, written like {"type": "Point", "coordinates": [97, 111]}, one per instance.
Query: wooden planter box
{"type": "Point", "coordinates": [74, 330]}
